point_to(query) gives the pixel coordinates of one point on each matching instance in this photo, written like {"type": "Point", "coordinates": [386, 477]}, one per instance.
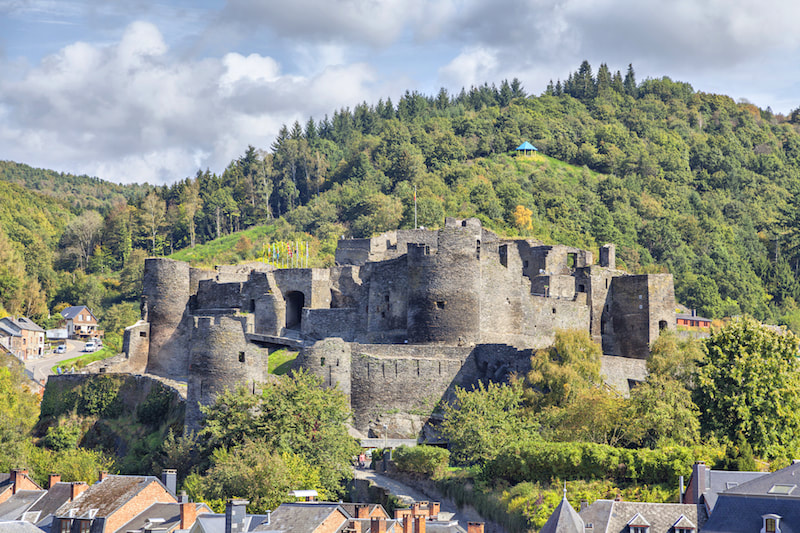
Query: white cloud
{"type": "Point", "coordinates": [130, 111]}
{"type": "Point", "coordinates": [472, 67]}
{"type": "Point", "coordinates": [360, 21]}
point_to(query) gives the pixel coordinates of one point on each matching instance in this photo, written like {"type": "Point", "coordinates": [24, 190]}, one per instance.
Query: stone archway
{"type": "Point", "coordinates": [295, 301]}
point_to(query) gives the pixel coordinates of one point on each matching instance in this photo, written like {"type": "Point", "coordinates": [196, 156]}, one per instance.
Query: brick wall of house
{"type": "Point", "coordinates": [153, 493]}
{"type": "Point", "coordinates": [332, 523]}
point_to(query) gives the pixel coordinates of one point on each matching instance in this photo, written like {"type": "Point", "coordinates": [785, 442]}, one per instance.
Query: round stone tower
{"type": "Point", "coordinates": [221, 359]}
{"type": "Point", "coordinates": [444, 287]}
{"type": "Point", "coordinates": [330, 360]}
{"type": "Point", "coordinates": [166, 292]}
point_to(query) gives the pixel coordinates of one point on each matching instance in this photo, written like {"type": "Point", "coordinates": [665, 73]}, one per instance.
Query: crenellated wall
{"type": "Point", "coordinates": [221, 359]}
{"type": "Point", "coordinates": [402, 319]}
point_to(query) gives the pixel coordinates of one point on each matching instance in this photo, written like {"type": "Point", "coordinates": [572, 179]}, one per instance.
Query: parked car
{"type": "Point", "coordinates": [61, 348]}
{"type": "Point", "coordinates": [90, 346]}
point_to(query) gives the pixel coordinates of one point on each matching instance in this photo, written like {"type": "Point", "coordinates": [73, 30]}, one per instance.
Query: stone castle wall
{"type": "Point", "coordinates": [417, 313]}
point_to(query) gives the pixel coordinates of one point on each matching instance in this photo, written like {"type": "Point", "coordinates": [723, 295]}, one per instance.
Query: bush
{"type": "Point", "coordinates": [545, 461]}
{"type": "Point", "coordinates": [62, 437]}
{"type": "Point", "coordinates": [155, 408]}
{"type": "Point", "coordinates": [429, 460]}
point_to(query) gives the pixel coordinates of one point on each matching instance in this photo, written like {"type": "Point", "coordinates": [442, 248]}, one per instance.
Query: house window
{"type": "Point", "coordinates": [64, 525]}
{"type": "Point", "coordinates": [772, 523]}
{"type": "Point", "coordinates": [640, 529]}
{"type": "Point", "coordinates": [86, 526]}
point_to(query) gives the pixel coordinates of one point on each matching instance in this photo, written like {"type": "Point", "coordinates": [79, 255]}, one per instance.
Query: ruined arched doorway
{"type": "Point", "coordinates": [295, 301]}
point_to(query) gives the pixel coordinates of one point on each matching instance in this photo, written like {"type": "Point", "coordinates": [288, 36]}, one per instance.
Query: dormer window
{"type": "Point", "coordinates": [638, 524]}
{"type": "Point", "coordinates": [772, 523]}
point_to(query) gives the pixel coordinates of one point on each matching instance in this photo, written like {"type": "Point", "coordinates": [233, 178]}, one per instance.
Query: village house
{"type": "Point", "coordinates": [769, 503]}
{"type": "Point", "coordinates": [617, 516]}
{"type": "Point", "coordinates": [81, 322]}
{"type": "Point", "coordinates": [115, 504]}
{"type": "Point", "coordinates": [22, 337]}
{"type": "Point", "coordinates": [109, 504]}
{"type": "Point", "coordinates": [692, 320]}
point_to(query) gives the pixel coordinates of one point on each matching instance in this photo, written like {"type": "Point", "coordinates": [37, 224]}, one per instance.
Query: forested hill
{"type": "Point", "coordinates": [686, 182]}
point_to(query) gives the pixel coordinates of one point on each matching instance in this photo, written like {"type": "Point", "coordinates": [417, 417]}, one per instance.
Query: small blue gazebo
{"type": "Point", "coordinates": [526, 148]}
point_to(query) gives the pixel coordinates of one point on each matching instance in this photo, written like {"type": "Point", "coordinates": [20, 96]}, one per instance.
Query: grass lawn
{"type": "Point", "coordinates": [280, 361]}
{"type": "Point", "coordinates": [83, 360]}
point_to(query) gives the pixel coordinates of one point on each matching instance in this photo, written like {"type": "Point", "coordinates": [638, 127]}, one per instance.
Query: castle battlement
{"type": "Point", "coordinates": [394, 304]}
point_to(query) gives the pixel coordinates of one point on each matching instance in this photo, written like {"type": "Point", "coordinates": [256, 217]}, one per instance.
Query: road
{"type": "Point", "coordinates": [409, 495]}
{"type": "Point", "coordinates": [40, 368]}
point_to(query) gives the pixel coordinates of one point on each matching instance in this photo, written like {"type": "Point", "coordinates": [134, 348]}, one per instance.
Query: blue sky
{"type": "Point", "coordinates": [151, 91]}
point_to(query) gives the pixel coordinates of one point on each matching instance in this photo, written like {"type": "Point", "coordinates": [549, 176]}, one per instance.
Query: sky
{"type": "Point", "coordinates": [138, 91]}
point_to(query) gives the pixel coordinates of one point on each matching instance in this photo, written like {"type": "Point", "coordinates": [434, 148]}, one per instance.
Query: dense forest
{"type": "Point", "coordinates": [682, 181]}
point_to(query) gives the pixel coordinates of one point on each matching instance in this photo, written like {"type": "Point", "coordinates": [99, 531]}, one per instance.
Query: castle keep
{"type": "Point", "coordinates": [400, 319]}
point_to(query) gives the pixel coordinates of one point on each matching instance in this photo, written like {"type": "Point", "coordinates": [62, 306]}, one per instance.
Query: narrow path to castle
{"type": "Point", "coordinates": [409, 494]}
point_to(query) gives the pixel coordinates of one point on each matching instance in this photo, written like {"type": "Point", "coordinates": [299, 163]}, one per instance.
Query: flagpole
{"type": "Point", "coordinates": [415, 207]}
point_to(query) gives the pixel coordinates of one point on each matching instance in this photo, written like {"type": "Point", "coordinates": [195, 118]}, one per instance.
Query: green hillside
{"type": "Point", "coordinates": [682, 181]}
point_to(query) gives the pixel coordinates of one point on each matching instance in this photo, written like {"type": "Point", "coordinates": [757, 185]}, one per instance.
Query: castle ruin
{"type": "Point", "coordinates": [398, 322]}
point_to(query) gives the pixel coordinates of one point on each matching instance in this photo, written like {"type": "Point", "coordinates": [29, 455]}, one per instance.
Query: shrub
{"type": "Point", "coordinates": [429, 460]}
{"type": "Point", "coordinates": [545, 461]}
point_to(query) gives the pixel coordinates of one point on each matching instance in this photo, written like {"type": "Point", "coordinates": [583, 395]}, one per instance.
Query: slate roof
{"type": "Point", "coordinates": [301, 517]}
{"type": "Point", "coordinates": [761, 485]}
{"type": "Point", "coordinates": [169, 512]}
{"type": "Point", "coordinates": [215, 523]}
{"type": "Point", "coordinates": [18, 527]}
{"type": "Point", "coordinates": [27, 324]}
{"type": "Point", "coordinates": [563, 520]}
{"type": "Point", "coordinates": [58, 495]}
{"type": "Point", "coordinates": [107, 496]}
{"type": "Point", "coordinates": [17, 504]}
{"type": "Point", "coordinates": [722, 480]}
{"type": "Point", "coordinates": [75, 310]}
{"type": "Point", "coordinates": [608, 516]}
{"type": "Point", "coordinates": [739, 513]}
{"type": "Point", "coordinates": [7, 331]}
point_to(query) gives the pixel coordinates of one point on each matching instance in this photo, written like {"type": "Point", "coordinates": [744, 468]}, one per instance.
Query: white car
{"type": "Point", "coordinates": [90, 346]}
{"type": "Point", "coordinates": [61, 348]}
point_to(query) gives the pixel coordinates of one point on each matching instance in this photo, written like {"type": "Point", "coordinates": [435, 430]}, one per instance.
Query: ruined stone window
{"type": "Point", "coordinates": [581, 288]}
{"type": "Point", "coordinates": [504, 255]}
{"type": "Point", "coordinates": [143, 334]}
{"type": "Point", "coordinates": [383, 314]}
{"type": "Point", "coordinates": [554, 310]}
{"type": "Point", "coordinates": [572, 260]}
{"type": "Point", "coordinates": [478, 249]}
{"type": "Point", "coordinates": [252, 306]}
{"type": "Point", "coordinates": [321, 361]}
{"type": "Point", "coordinates": [606, 283]}
{"type": "Point", "coordinates": [440, 305]}
{"type": "Point", "coordinates": [662, 325]}
{"type": "Point", "coordinates": [241, 357]}
{"type": "Point", "coordinates": [525, 264]}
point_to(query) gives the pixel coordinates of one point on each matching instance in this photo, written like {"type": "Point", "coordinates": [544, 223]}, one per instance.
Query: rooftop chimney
{"type": "Point", "coordinates": [419, 524]}
{"type": "Point", "coordinates": [169, 478]}
{"type": "Point", "coordinates": [474, 527]}
{"type": "Point", "coordinates": [183, 498]}
{"type": "Point", "coordinates": [16, 479]}
{"type": "Point", "coordinates": [584, 504]}
{"type": "Point", "coordinates": [408, 524]}
{"type": "Point", "coordinates": [698, 482]}
{"type": "Point", "coordinates": [52, 479]}
{"type": "Point", "coordinates": [103, 474]}
{"type": "Point", "coordinates": [362, 510]}
{"type": "Point", "coordinates": [76, 488]}
{"type": "Point", "coordinates": [188, 514]}
{"type": "Point", "coordinates": [435, 507]}
{"type": "Point", "coordinates": [235, 511]}
{"type": "Point", "coordinates": [378, 525]}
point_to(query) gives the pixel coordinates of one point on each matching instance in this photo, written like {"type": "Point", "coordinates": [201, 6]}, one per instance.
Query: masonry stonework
{"type": "Point", "coordinates": [401, 319]}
